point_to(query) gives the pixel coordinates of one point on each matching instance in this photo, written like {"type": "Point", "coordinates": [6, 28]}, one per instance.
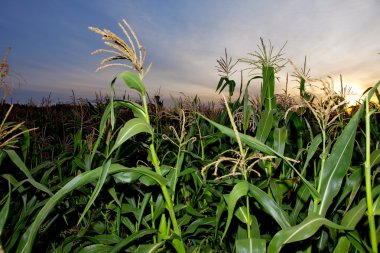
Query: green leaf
{"type": "Point", "coordinates": [23, 242]}
{"type": "Point", "coordinates": [302, 197]}
{"type": "Point", "coordinates": [126, 177]}
{"type": "Point", "coordinates": [95, 248]}
{"type": "Point", "coordinates": [376, 206]}
{"type": "Point", "coordinates": [231, 85]}
{"type": "Point", "coordinates": [247, 110]}
{"type": "Point", "coordinates": [131, 128]}
{"type": "Point", "coordinates": [219, 211]}
{"type": "Point", "coordinates": [113, 193]}
{"type": "Point", "coordinates": [223, 82]}
{"type": "Point", "coordinates": [251, 245]}
{"type": "Point", "coordinates": [270, 206]}
{"type": "Point", "coordinates": [350, 220]}
{"type": "Point", "coordinates": [137, 235]}
{"type": "Point", "coordinates": [4, 215]}
{"type": "Point", "coordinates": [375, 158]}
{"type": "Point", "coordinates": [241, 214]}
{"type": "Point", "coordinates": [265, 125]}
{"type": "Point", "coordinates": [149, 248]}
{"type": "Point", "coordinates": [159, 207]}
{"type": "Point", "coordinates": [279, 189]}
{"type": "Point", "coordinates": [21, 165]}
{"type": "Point", "coordinates": [300, 232]}
{"type": "Point", "coordinates": [258, 145]}
{"type": "Point", "coordinates": [267, 93]}
{"type": "Point", "coordinates": [337, 163]}
{"type": "Point", "coordinates": [142, 207]}
{"type": "Point", "coordinates": [255, 228]}
{"type": "Point", "coordinates": [239, 190]}
{"type": "Point", "coordinates": [2, 155]}
{"type": "Point", "coordinates": [280, 137]}
{"type": "Point", "coordinates": [82, 179]}
{"type": "Point", "coordinates": [128, 223]}
{"type": "Point", "coordinates": [356, 240]}
{"type": "Point", "coordinates": [137, 110]}
{"type": "Point", "coordinates": [133, 81]}
{"type": "Point", "coordinates": [351, 187]}
{"type": "Point", "coordinates": [303, 92]}
{"type": "Point", "coordinates": [107, 239]}
{"type": "Point", "coordinates": [354, 215]}
{"type": "Point", "coordinates": [192, 228]}
{"type": "Point", "coordinates": [98, 187]}
{"type": "Point", "coordinates": [317, 140]}
{"type": "Point", "coordinates": [162, 229]}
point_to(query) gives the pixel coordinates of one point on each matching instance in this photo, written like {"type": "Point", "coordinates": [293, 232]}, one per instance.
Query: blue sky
{"type": "Point", "coordinates": [51, 43]}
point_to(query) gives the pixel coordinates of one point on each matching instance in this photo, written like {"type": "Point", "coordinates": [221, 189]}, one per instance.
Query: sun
{"type": "Point", "coordinates": [351, 93]}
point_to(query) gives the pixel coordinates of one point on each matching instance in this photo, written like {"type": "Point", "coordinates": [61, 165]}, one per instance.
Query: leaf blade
{"type": "Point", "coordinates": [337, 163]}
{"type": "Point", "coordinates": [302, 231]}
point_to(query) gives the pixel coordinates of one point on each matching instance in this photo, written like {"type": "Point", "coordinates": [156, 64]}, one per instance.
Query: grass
{"type": "Point", "coordinates": [262, 174]}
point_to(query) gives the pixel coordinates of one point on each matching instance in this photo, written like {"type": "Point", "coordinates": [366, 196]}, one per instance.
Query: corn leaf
{"type": "Point", "coordinates": [159, 207]}
{"type": "Point", "coordinates": [376, 206]}
{"type": "Point", "coordinates": [192, 228]}
{"type": "Point", "coordinates": [219, 211]}
{"type": "Point", "coordinates": [307, 228]}
{"type": "Point", "coordinates": [375, 157]}
{"type": "Point", "coordinates": [351, 186]}
{"type": "Point", "coordinates": [251, 245]}
{"type": "Point", "coordinates": [247, 110]}
{"type": "Point", "coordinates": [239, 190]}
{"type": "Point", "coordinates": [223, 82]}
{"type": "Point", "coordinates": [133, 81]}
{"type": "Point", "coordinates": [82, 179]}
{"type": "Point", "coordinates": [107, 239]}
{"type": "Point", "coordinates": [4, 215]}
{"type": "Point", "coordinates": [95, 248]}
{"type": "Point", "coordinates": [280, 137]}
{"type": "Point", "coordinates": [337, 163]}
{"type": "Point", "coordinates": [131, 128]}
{"type": "Point", "coordinates": [149, 248]}
{"type": "Point", "coordinates": [137, 110]}
{"type": "Point", "coordinates": [270, 206]}
{"type": "Point", "coordinates": [267, 93]}
{"type": "Point", "coordinates": [303, 195]}
{"type": "Point", "coordinates": [98, 187]}
{"type": "Point", "coordinates": [258, 145]}
{"type": "Point", "coordinates": [21, 165]}
{"type": "Point", "coordinates": [241, 214]}
{"type": "Point", "coordinates": [126, 177]}
{"type": "Point", "coordinates": [142, 208]}
{"type": "Point", "coordinates": [350, 220]}
{"type": "Point", "coordinates": [317, 140]}
{"type": "Point", "coordinates": [265, 125]}
{"type": "Point", "coordinates": [113, 194]}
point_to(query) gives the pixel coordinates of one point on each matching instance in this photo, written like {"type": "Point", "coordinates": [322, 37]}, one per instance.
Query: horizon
{"type": "Point", "coordinates": [51, 45]}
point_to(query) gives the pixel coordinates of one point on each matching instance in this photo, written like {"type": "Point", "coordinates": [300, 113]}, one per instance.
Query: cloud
{"type": "Point", "coordinates": [184, 38]}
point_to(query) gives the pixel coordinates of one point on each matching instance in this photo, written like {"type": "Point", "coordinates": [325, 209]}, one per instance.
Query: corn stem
{"type": "Point", "coordinates": [368, 184]}
{"type": "Point", "coordinates": [177, 243]}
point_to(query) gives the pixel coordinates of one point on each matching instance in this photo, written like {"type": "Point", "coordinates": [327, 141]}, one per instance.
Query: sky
{"type": "Point", "coordinates": [51, 44]}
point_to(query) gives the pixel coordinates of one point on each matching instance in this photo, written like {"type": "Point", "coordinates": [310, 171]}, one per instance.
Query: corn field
{"type": "Point", "coordinates": [268, 173]}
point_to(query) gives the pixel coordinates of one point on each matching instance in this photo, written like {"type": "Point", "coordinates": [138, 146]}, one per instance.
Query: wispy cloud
{"type": "Point", "coordinates": [184, 38]}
